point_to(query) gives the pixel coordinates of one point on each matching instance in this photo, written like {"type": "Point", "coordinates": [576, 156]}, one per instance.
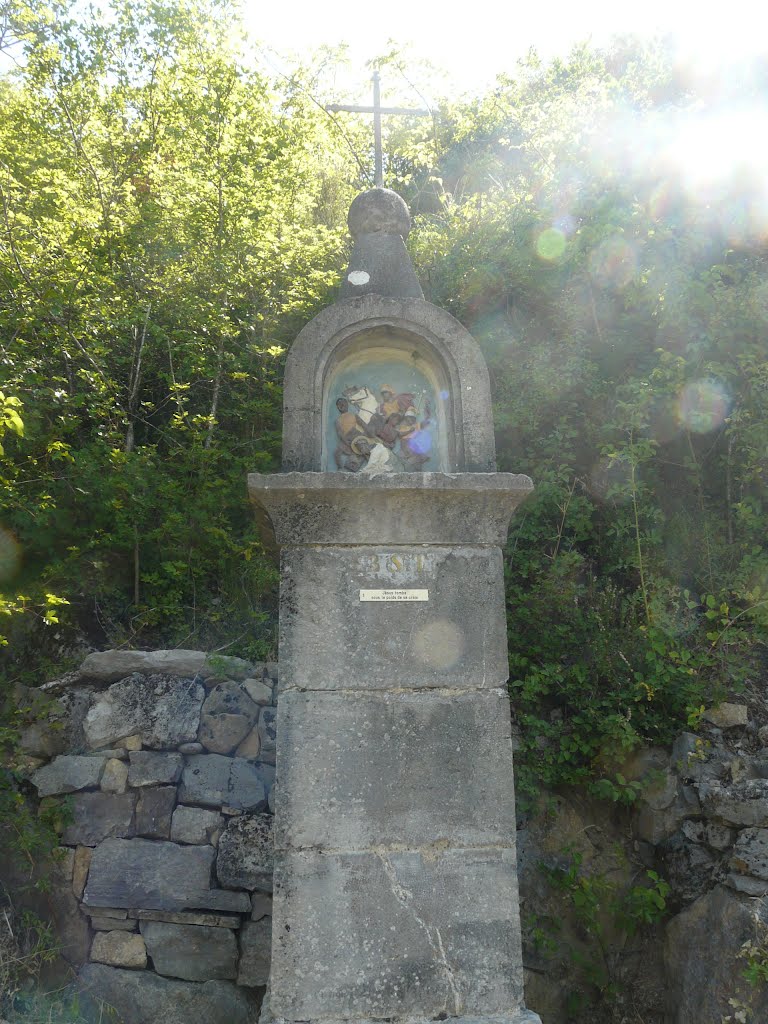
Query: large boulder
{"type": "Point", "coordinates": [142, 997]}
{"type": "Point", "coordinates": [703, 958]}
{"type": "Point", "coordinates": [162, 710]}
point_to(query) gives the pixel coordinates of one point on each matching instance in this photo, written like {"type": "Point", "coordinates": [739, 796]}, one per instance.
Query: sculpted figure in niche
{"type": "Point", "coordinates": [368, 438]}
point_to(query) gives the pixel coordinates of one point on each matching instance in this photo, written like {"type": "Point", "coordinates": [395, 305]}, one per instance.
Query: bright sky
{"type": "Point", "coordinates": [475, 41]}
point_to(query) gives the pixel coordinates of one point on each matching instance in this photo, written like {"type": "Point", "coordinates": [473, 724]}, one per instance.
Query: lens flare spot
{"type": "Point", "coordinates": [613, 263]}
{"type": "Point", "coordinates": [703, 405]}
{"type": "Point", "coordinates": [10, 555]}
{"type": "Point", "coordinates": [439, 644]}
{"type": "Point", "coordinates": [550, 245]}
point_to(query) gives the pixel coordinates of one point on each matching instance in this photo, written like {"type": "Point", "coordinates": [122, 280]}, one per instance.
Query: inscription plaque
{"type": "Point", "coordinates": [394, 595]}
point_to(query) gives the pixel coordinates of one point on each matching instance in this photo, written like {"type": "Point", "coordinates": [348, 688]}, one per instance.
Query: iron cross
{"type": "Point", "coordinates": [377, 110]}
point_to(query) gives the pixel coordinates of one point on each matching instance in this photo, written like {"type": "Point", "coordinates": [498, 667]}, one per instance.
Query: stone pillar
{"type": "Point", "coordinates": [396, 886]}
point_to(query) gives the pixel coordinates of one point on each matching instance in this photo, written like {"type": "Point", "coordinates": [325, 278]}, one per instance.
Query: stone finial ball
{"type": "Point", "coordinates": [379, 210]}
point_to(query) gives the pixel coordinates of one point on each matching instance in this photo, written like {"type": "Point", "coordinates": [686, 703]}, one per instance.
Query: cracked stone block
{"type": "Point", "coordinates": [354, 932]}
{"type": "Point", "coordinates": [386, 768]}
{"type": "Point", "coordinates": [192, 952]}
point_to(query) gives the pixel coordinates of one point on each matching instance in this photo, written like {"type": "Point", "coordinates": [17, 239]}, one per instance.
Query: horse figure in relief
{"type": "Point", "coordinates": [364, 401]}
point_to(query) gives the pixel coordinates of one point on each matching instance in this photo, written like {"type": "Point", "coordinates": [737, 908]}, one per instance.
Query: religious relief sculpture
{"type": "Point", "coordinates": [391, 433]}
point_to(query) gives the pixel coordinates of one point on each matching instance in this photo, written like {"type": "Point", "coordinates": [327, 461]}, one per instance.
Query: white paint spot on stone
{"type": "Point", "coordinates": [359, 277]}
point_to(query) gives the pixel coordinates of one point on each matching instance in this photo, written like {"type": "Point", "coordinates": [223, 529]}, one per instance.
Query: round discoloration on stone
{"type": "Point", "coordinates": [379, 210]}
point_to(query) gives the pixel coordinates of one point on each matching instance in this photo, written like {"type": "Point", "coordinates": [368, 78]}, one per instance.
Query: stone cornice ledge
{"type": "Point", "coordinates": [391, 509]}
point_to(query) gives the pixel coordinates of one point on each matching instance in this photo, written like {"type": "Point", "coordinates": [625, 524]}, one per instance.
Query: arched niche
{"type": "Point", "coordinates": [391, 377]}
{"type": "Point", "coordinates": [425, 351]}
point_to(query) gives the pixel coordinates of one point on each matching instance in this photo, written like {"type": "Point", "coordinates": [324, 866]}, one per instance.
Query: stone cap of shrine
{"type": "Point", "coordinates": [402, 508]}
{"type": "Point", "coordinates": [380, 222]}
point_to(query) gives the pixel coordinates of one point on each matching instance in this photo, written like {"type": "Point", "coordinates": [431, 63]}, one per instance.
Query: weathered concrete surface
{"type": "Point", "coordinates": [403, 508]}
{"type": "Point", "coordinates": [142, 997]}
{"type": "Point", "coordinates": [404, 768]}
{"type": "Point", "coordinates": [330, 639]}
{"type": "Point", "coordinates": [383, 934]}
{"type": "Point", "coordinates": [156, 876]}
{"type": "Point", "coordinates": [192, 952]}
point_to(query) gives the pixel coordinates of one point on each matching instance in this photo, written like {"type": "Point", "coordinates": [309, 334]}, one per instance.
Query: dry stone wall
{"type": "Point", "coordinates": [162, 764]}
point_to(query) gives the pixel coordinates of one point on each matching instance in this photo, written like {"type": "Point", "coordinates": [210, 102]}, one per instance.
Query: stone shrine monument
{"type": "Point", "coordinates": [395, 887]}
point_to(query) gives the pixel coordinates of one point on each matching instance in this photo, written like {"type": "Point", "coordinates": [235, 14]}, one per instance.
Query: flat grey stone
{"type": "Point", "coordinates": [365, 928]}
{"type": "Point", "coordinates": [154, 811]}
{"type": "Point", "coordinates": [192, 952]}
{"type": "Point", "coordinates": [109, 666]}
{"type": "Point", "coordinates": [406, 768]}
{"type": "Point", "coordinates": [727, 715]}
{"type": "Point", "coordinates": [156, 876]}
{"type": "Point", "coordinates": [246, 853]}
{"type": "Point", "coordinates": [255, 952]}
{"type": "Point", "coordinates": [743, 804]}
{"type": "Point", "coordinates": [457, 638]}
{"type": "Point", "coordinates": [98, 816]}
{"type": "Point", "coordinates": [268, 735]}
{"type": "Point", "coordinates": [120, 949]}
{"type": "Point", "coordinates": [186, 917]}
{"type": "Point", "coordinates": [191, 748]}
{"type": "Point", "coordinates": [750, 853]}
{"type": "Point", "coordinates": [67, 774]}
{"type": "Point", "coordinates": [196, 825]}
{"type": "Point", "coordinates": [153, 768]}
{"type": "Point", "coordinates": [746, 884]}
{"type": "Point", "coordinates": [164, 711]}
{"type": "Point", "coordinates": [213, 780]}
{"type": "Point", "coordinates": [109, 924]}
{"type": "Point", "coordinates": [143, 997]}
